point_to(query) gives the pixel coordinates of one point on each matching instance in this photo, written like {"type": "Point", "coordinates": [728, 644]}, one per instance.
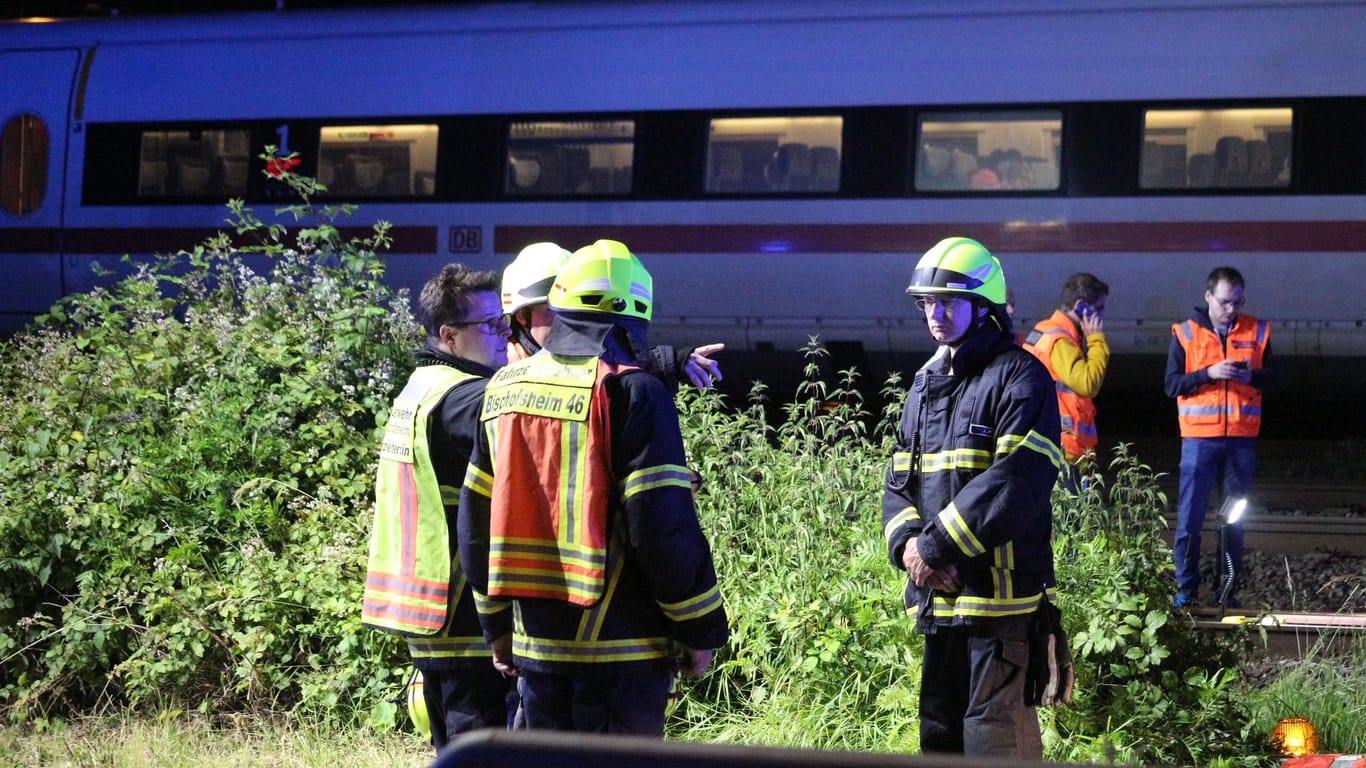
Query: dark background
{"type": "Point", "coordinates": [17, 9]}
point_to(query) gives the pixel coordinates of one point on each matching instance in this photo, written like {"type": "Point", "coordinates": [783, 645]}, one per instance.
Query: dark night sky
{"type": "Point", "coordinates": [11, 9]}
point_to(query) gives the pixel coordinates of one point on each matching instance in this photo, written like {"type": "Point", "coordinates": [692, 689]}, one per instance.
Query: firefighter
{"type": "Point", "coordinates": [577, 508]}
{"type": "Point", "coordinates": [966, 507]}
{"type": "Point", "coordinates": [415, 585]}
{"type": "Point", "coordinates": [526, 289]}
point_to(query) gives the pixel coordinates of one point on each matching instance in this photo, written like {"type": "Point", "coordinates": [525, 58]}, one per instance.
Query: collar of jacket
{"type": "Point", "coordinates": [430, 355]}
{"type": "Point", "coordinates": [978, 349]}
{"type": "Point", "coordinates": [617, 340]}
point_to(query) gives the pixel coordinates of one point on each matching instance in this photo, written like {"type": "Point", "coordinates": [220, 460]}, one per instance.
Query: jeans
{"type": "Point", "coordinates": [1206, 461]}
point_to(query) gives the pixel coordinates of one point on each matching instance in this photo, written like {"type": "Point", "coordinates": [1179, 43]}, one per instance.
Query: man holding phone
{"type": "Point", "coordinates": [1217, 366]}
{"type": "Point", "coordinates": [1071, 344]}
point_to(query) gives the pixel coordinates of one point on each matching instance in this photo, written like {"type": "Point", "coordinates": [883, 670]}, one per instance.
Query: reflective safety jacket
{"type": "Point", "coordinates": [969, 483]}
{"type": "Point", "coordinates": [414, 583]}
{"type": "Point", "coordinates": [577, 506]}
{"type": "Point", "coordinates": [1076, 407]}
{"type": "Point", "coordinates": [1221, 408]}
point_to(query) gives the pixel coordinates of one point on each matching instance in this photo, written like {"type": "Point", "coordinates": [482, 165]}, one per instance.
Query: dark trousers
{"type": "Point", "coordinates": [630, 700]}
{"type": "Point", "coordinates": [972, 695]}
{"type": "Point", "coordinates": [1227, 463]}
{"type": "Point", "coordinates": [467, 698]}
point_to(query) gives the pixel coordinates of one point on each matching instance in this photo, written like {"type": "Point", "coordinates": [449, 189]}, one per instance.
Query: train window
{"type": "Point", "coordinates": [378, 160]}
{"type": "Point", "coordinates": [1211, 148]}
{"type": "Point", "coordinates": [759, 155]}
{"type": "Point", "coordinates": [583, 157]}
{"type": "Point", "coordinates": [193, 163]}
{"type": "Point", "coordinates": [988, 151]}
{"type": "Point", "coordinates": [23, 164]}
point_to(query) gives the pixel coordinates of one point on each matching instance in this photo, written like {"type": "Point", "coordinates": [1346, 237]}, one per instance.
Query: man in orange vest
{"type": "Point", "coordinates": [1071, 344]}
{"type": "Point", "coordinates": [1218, 364]}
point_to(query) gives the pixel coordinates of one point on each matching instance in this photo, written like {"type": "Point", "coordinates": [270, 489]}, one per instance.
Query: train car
{"type": "Point", "coordinates": [778, 166]}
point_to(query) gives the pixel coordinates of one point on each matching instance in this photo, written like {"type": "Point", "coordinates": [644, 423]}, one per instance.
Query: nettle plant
{"type": "Point", "coordinates": [186, 464]}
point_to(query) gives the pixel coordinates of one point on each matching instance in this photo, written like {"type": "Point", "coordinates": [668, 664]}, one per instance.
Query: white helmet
{"type": "Point", "coordinates": [528, 278]}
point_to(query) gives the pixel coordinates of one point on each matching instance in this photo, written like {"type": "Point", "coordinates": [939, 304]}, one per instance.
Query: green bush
{"type": "Point", "coordinates": [186, 462]}
{"type": "Point", "coordinates": [185, 477]}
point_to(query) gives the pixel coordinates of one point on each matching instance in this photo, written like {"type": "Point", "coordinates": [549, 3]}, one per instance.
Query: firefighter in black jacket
{"type": "Point", "coordinates": [577, 507]}
{"type": "Point", "coordinates": [966, 507]}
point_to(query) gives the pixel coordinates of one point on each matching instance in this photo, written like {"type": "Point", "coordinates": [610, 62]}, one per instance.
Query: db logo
{"type": "Point", "coordinates": [466, 240]}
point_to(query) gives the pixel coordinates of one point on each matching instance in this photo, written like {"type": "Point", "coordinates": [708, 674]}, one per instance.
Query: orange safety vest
{"type": "Point", "coordinates": [546, 418]}
{"type": "Point", "coordinates": [1222, 408]}
{"type": "Point", "coordinates": [1078, 413]}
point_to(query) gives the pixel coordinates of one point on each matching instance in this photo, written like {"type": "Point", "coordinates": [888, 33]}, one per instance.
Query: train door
{"type": "Point", "coordinates": [34, 105]}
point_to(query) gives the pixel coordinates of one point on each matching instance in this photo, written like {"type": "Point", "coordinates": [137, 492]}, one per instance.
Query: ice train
{"type": "Point", "coordinates": [778, 166]}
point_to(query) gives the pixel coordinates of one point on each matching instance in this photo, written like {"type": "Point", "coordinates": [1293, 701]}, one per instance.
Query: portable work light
{"type": "Point", "coordinates": [1229, 515]}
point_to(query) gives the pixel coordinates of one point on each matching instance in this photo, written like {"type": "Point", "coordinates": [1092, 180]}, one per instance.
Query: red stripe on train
{"type": "Point", "coordinates": [1143, 237]}
{"type": "Point", "coordinates": [172, 239]}
{"type": "Point", "coordinates": [1090, 237]}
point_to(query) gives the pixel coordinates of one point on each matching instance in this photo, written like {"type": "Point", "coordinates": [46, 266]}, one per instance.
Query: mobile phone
{"type": "Point", "coordinates": [1240, 364]}
{"type": "Point", "coordinates": [1084, 309]}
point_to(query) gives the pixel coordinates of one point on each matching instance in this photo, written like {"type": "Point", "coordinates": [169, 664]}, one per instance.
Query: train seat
{"type": "Point", "coordinates": [1230, 162]}
{"type": "Point", "coordinates": [961, 167]}
{"type": "Point", "coordinates": [1201, 170]}
{"type": "Point", "coordinates": [424, 183]}
{"type": "Point", "coordinates": [825, 169]}
{"type": "Point", "coordinates": [327, 173]}
{"type": "Point", "coordinates": [233, 171]}
{"type": "Point", "coordinates": [366, 172]}
{"type": "Point", "coordinates": [727, 171]}
{"type": "Point", "coordinates": [1259, 172]}
{"type": "Point", "coordinates": [152, 178]}
{"type": "Point", "coordinates": [191, 175]}
{"type": "Point", "coordinates": [790, 168]}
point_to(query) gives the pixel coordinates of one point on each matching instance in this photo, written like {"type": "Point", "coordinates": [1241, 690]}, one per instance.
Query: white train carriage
{"type": "Point", "coordinates": [778, 166]}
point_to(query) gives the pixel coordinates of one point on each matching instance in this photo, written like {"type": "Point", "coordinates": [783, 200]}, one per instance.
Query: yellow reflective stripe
{"type": "Point", "coordinates": [901, 461]}
{"type": "Point", "coordinates": [521, 582]}
{"type": "Point", "coordinates": [899, 519]}
{"type": "Point", "coordinates": [590, 651]}
{"type": "Point", "coordinates": [487, 605]}
{"type": "Point", "coordinates": [462, 647]}
{"type": "Point", "coordinates": [959, 458]}
{"type": "Point", "coordinates": [537, 550]}
{"type": "Point", "coordinates": [450, 495]}
{"type": "Point", "coordinates": [479, 481]}
{"type": "Point", "coordinates": [983, 607]}
{"type": "Point", "coordinates": [693, 607]}
{"type": "Point", "coordinates": [660, 476]}
{"type": "Point", "coordinates": [958, 530]}
{"type": "Point", "coordinates": [1004, 555]}
{"type": "Point", "coordinates": [1033, 441]}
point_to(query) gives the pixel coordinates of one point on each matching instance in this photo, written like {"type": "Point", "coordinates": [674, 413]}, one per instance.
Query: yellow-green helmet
{"type": "Point", "coordinates": [528, 278]}
{"type": "Point", "coordinates": [604, 277]}
{"type": "Point", "coordinates": [417, 707]}
{"type": "Point", "coordinates": [959, 265]}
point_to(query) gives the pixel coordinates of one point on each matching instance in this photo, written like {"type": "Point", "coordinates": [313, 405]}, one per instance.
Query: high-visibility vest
{"type": "Point", "coordinates": [1078, 413]}
{"type": "Point", "coordinates": [1223, 408]}
{"type": "Point", "coordinates": [408, 578]}
{"type": "Point", "coordinates": [546, 419]}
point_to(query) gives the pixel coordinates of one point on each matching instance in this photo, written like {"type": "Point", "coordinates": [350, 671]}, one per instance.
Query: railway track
{"type": "Point", "coordinates": [1289, 635]}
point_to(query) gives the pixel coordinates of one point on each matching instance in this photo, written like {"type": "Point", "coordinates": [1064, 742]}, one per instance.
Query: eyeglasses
{"type": "Point", "coordinates": [491, 326]}
{"type": "Point", "coordinates": [1230, 303]}
{"type": "Point", "coordinates": [946, 303]}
